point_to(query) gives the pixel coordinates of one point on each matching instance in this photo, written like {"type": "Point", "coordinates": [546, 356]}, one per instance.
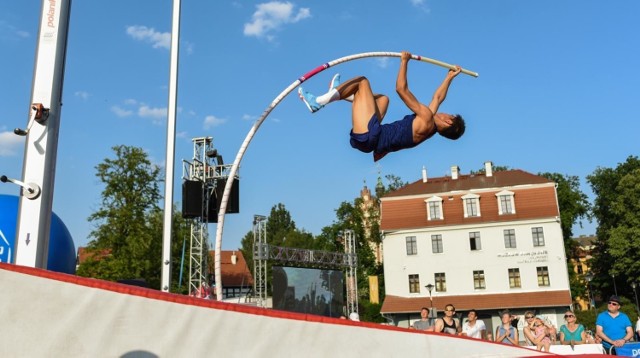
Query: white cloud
{"type": "Point", "coordinates": [420, 4]}
{"type": "Point", "coordinates": [158, 115]}
{"type": "Point", "coordinates": [213, 121]}
{"type": "Point", "coordinates": [150, 35]}
{"type": "Point", "coordinates": [382, 62]}
{"type": "Point", "coordinates": [271, 16]}
{"type": "Point", "coordinates": [182, 134]}
{"type": "Point", "coordinates": [10, 32]}
{"type": "Point", "coordinates": [9, 144]}
{"type": "Point", "coordinates": [130, 102]}
{"type": "Point", "coordinates": [121, 112]}
{"type": "Point", "coordinates": [248, 117]}
{"type": "Point", "coordinates": [82, 94]}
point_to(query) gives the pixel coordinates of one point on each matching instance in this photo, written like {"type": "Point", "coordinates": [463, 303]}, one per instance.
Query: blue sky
{"type": "Point", "coordinates": [556, 92]}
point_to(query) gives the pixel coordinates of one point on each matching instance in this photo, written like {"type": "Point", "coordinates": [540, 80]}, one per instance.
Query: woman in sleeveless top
{"type": "Point", "coordinates": [505, 333]}
{"type": "Point", "coordinates": [572, 332]}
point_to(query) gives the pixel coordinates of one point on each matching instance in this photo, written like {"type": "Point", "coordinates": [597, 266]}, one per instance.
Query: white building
{"type": "Point", "coordinates": [488, 242]}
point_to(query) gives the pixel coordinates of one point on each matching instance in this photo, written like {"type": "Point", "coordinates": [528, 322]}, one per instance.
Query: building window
{"type": "Point", "coordinates": [509, 239]}
{"type": "Point", "coordinates": [543, 276]}
{"type": "Point", "coordinates": [474, 241]}
{"type": "Point", "coordinates": [412, 245]}
{"type": "Point", "coordinates": [506, 204]}
{"type": "Point", "coordinates": [436, 244]}
{"type": "Point", "coordinates": [414, 283]}
{"type": "Point", "coordinates": [538, 236]}
{"type": "Point", "coordinates": [471, 205]}
{"type": "Point", "coordinates": [441, 282]}
{"type": "Point", "coordinates": [434, 208]}
{"type": "Point", "coordinates": [478, 280]}
{"type": "Point", "coordinates": [514, 278]}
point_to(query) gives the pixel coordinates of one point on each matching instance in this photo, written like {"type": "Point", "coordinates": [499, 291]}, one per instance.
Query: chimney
{"type": "Point", "coordinates": [424, 174]}
{"type": "Point", "coordinates": [488, 169]}
{"type": "Point", "coordinates": [455, 170]}
{"type": "Point", "coordinates": [234, 258]}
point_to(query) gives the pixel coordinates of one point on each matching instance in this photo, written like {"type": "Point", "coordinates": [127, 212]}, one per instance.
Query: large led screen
{"type": "Point", "coordinates": [312, 291]}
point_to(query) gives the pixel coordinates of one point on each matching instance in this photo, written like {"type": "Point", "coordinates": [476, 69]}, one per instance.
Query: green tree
{"type": "Point", "coordinates": [125, 242]}
{"type": "Point", "coordinates": [495, 168]}
{"type": "Point", "coordinates": [615, 208]}
{"type": "Point", "coordinates": [180, 239]}
{"type": "Point", "coordinates": [279, 224]}
{"type": "Point", "coordinates": [246, 247]}
{"type": "Point", "coordinates": [574, 206]}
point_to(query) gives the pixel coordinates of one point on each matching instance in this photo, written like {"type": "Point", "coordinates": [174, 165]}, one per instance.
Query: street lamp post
{"type": "Point", "coordinates": [429, 288]}
{"type": "Point", "coordinates": [615, 288]}
{"type": "Point", "coordinates": [589, 277]}
{"type": "Point", "coordinates": [633, 285]}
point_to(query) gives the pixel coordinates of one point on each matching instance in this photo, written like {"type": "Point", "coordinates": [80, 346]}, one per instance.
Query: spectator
{"type": "Point", "coordinates": [474, 327]}
{"type": "Point", "coordinates": [572, 333]}
{"type": "Point", "coordinates": [638, 330]}
{"type": "Point", "coordinates": [448, 324]}
{"type": "Point", "coordinates": [541, 335]}
{"type": "Point", "coordinates": [613, 326]}
{"type": "Point", "coordinates": [505, 333]}
{"type": "Point", "coordinates": [423, 323]}
{"type": "Point", "coordinates": [528, 328]}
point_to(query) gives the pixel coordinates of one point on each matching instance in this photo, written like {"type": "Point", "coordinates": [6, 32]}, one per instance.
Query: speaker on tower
{"type": "Point", "coordinates": [191, 199]}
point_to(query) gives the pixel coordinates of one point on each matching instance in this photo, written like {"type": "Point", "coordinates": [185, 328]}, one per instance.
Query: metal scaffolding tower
{"type": "Point", "coordinates": [208, 169]}
{"type": "Point", "coordinates": [349, 240]}
{"type": "Point", "coordinates": [260, 259]}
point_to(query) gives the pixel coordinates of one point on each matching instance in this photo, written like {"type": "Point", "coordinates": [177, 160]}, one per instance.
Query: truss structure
{"type": "Point", "coordinates": [260, 255]}
{"type": "Point", "coordinates": [263, 252]}
{"type": "Point", "coordinates": [207, 168]}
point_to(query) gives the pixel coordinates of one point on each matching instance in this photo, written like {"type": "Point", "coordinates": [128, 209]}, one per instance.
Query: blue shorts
{"type": "Point", "coordinates": [384, 138]}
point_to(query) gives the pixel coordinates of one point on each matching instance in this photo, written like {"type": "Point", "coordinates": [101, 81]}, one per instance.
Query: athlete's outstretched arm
{"type": "Point", "coordinates": [441, 93]}
{"type": "Point", "coordinates": [402, 87]}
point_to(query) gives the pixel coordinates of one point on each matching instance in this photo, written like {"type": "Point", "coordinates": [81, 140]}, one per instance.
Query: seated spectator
{"type": "Point", "coordinates": [541, 335]}
{"type": "Point", "coordinates": [474, 327]}
{"type": "Point", "coordinates": [572, 332]}
{"type": "Point", "coordinates": [613, 326]}
{"type": "Point", "coordinates": [423, 323]}
{"type": "Point", "coordinates": [506, 333]}
{"type": "Point", "coordinates": [528, 328]}
{"type": "Point", "coordinates": [448, 324]}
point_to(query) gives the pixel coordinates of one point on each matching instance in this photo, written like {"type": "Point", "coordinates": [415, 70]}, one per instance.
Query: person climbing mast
{"type": "Point", "coordinates": [369, 109]}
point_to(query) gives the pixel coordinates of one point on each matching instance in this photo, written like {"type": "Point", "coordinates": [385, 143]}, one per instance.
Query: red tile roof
{"type": "Point", "coordinates": [470, 181]}
{"type": "Point", "coordinates": [405, 208]}
{"type": "Point", "coordinates": [234, 275]}
{"type": "Point", "coordinates": [84, 255]}
{"type": "Point", "coordinates": [397, 304]}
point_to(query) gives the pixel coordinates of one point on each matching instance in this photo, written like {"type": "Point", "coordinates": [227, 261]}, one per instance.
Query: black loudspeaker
{"type": "Point", "coordinates": [233, 205]}
{"type": "Point", "coordinates": [191, 199]}
{"type": "Point", "coordinates": [212, 214]}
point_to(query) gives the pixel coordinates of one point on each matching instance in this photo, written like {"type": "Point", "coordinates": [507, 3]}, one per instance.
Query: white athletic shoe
{"type": "Point", "coordinates": [335, 81]}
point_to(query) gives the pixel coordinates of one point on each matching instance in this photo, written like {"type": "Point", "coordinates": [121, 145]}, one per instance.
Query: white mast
{"type": "Point", "coordinates": [41, 147]}
{"type": "Point", "coordinates": [172, 110]}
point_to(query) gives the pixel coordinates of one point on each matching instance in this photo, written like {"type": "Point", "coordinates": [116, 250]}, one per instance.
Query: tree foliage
{"type": "Point", "coordinates": [616, 208]}
{"type": "Point", "coordinates": [127, 235]}
{"type": "Point", "coordinates": [574, 206]}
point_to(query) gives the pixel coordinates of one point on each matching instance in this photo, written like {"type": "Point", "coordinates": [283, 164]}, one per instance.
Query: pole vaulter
{"type": "Point", "coordinates": [267, 111]}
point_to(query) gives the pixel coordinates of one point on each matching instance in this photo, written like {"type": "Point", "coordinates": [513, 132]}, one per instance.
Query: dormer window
{"type": "Point", "coordinates": [434, 208]}
{"type": "Point", "coordinates": [471, 205]}
{"type": "Point", "coordinates": [506, 204]}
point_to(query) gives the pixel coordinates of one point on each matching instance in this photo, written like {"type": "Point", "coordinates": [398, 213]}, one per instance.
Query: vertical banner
{"type": "Point", "coordinates": [374, 296]}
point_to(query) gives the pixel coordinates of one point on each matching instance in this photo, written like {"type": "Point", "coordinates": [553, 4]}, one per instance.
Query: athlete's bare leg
{"type": "Point", "coordinates": [365, 103]}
